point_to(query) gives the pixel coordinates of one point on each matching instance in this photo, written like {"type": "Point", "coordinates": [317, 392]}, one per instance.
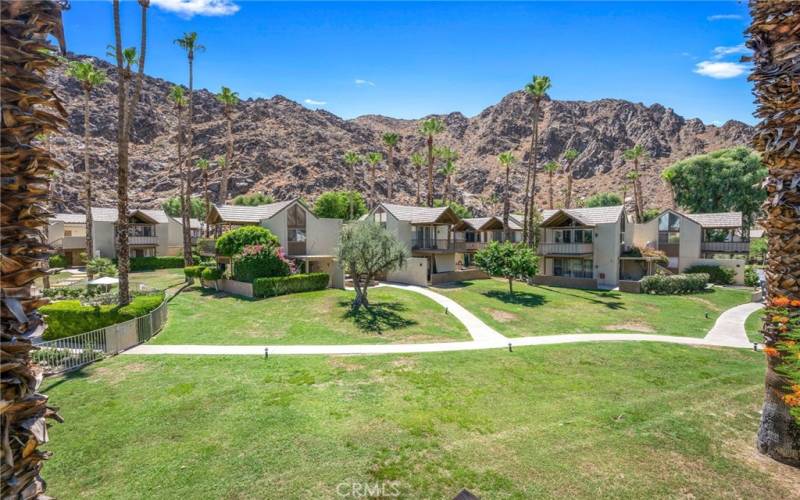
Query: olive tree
{"type": "Point", "coordinates": [507, 260]}
{"type": "Point", "coordinates": [366, 249]}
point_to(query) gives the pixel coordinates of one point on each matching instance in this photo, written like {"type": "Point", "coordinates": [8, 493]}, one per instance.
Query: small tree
{"type": "Point", "coordinates": [253, 200]}
{"type": "Point", "coordinates": [233, 242]}
{"type": "Point", "coordinates": [197, 208]}
{"type": "Point", "coordinates": [366, 249]}
{"type": "Point", "coordinates": [602, 200]}
{"type": "Point", "coordinates": [336, 205]}
{"type": "Point", "coordinates": [507, 260]}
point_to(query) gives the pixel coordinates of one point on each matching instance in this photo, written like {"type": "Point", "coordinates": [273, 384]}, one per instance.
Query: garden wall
{"type": "Point", "coordinates": [630, 286]}
{"type": "Point", "coordinates": [234, 287]}
{"type": "Point", "coordinates": [736, 264]}
{"type": "Point", "coordinates": [413, 272]}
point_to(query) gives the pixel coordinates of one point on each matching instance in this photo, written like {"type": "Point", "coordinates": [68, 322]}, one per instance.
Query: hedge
{"type": "Point", "coordinates": [193, 271]}
{"type": "Point", "coordinates": [751, 276]}
{"type": "Point", "coordinates": [153, 263]}
{"type": "Point", "coordinates": [717, 274]}
{"type": "Point", "coordinates": [282, 285]}
{"type": "Point", "coordinates": [211, 274]}
{"type": "Point", "coordinates": [57, 260]}
{"type": "Point", "coordinates": [674, 284]}
{"type": "Point", "coordinates": [69, 317]}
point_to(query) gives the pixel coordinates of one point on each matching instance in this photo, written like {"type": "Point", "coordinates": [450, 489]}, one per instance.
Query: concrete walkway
{"type": "Point", "coordinates": [728, 331]}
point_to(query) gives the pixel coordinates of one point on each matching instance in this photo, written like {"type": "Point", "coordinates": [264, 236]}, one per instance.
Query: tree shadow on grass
{"type": "Point", "coordinates": [526, 299]}
{"type": "Point", "coordinates": [380, 316]}
{"type": "Point", "coordinates": [614, 303]}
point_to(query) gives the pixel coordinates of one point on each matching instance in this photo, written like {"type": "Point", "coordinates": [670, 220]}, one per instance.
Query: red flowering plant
{"type": "Point", "coordinates": [261, 261]}
{"type": "Point", "coordinates": [781, 329]}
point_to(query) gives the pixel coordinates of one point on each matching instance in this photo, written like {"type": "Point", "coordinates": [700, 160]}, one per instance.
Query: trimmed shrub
{"type": "Point", "coordinates": [193, 271]}
{"type": "Point", "coordinates": [717, 274]}
{"type": "Point", "coordinates": [750, 276]}
{"type": "Point", "coordinates": [233, 242]}
{"type": "Point", "coordinates": [57, 261]}
{"type": "Point", "coordinates": [258, 261]}
{"type": "Point", "coordinates": [69, 317]}
{"type": "Point", "coordinates": [154, 263]}
{"type": "Point", "coordinates": [675, 284]}
{"type": "Point", "coordinates": [282, 285]}
{"type": "Point", "coordinates": [211, 274]}
{"type": "Point", "coordinates": [101, 266]}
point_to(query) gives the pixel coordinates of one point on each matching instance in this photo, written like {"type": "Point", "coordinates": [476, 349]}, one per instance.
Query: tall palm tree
{"type": "Point", "coordinates": [537, 88]}
{"type": "Point", "coordinates": [668, 176]}
{"type": "Point", "coordinates": [30, 107]}
{"type": "Point", "coordinates": [448, 168]}
{"type": "Point", "coordinates": [178, 97]}
{"type": "Point", "coordinates": [430, 128]}
{"type": "Point", "coordinates": [418, 160]}
{"type": "Point", "coordinates": [188, 42]}
{"type": "Point", "coordinates": [550, 167]}
{"type": "Point", "coordinates": [372, 158]}
{"type": "Point", "coordinates": [89, 78]}
{"type": "Point", "coordinates": [506, 160]}
{"type": "Point", "coordinates": [126, 110]}
{"type": "Point", "coordinates": [229, 100]}
{"type": "Point", "coordinates": [635, 154]}
{"type": "Point", "coordinates": [633, 178]}
{"type": "Point", "coordinates": [773, 39]}
{"type": "Point", "coordinates": [569, 156]}
{"type": "Point", "coordinates": [351, 159]}
{"type": "Point", "coordinates": [203, 165]}
{"type": "Point", "coordinates": [390, 140]}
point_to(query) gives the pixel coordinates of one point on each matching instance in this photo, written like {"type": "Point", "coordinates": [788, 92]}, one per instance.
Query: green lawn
{"type": "Point", "coordinates": [542, 310]}
{"type": "Point", "coordinates": [160, 279]}
{"type": "Point", "coordinates": [323, 317]}
{"type": "Point", "coordinates": [608, 420]}
{"type": "Point", "coordinates": [753, 327]}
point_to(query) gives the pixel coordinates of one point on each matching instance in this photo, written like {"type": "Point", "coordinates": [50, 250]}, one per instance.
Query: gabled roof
{"type": "Point", "coordinates": [195, 223]}
{"type": "Point", "coordinates": [421, 215]}
{"type": "Point", "coordinates": [157, 215]}
{"type": "Point", "coordinates": [237, 214]}
{"type": "Point", "coordinates": [587, 216]}
{"type": "Point", "coordinates": [718, 220]}
{"type": "Point", "coordinates": [102, 214]}
{"type": "Point", "coordinates": [487, 223]}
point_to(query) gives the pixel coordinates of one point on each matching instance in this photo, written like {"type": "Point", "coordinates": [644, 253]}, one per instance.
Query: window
{"type": "Point", "coordinates": [297, 235]}
{"type": "Point", "coordinates": [572, 268]}
{"type": "Point", "coordinates": [583, 236]}
{"type": "Point", "coordinates": [68, 232]}
{"type": "Point", "coordinates": [669, 229]}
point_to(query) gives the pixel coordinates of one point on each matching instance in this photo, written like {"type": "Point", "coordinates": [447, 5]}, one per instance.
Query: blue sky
{"type": "Point", "coordinates": [411, 59]}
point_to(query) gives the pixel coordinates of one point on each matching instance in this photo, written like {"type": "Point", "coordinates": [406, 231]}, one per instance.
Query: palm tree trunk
{"type": "Point", "coordinates": [371, 186]}
{"type": "Point", "coordinates": [223, 188]}
{"type": "Point", "coordinates": [568, 197]}
{"type": "Point", "coordinates": [637, 191]}
{"type": "Point", "coordinates": [205, 191]}
{"type": "Point", "coordinates": [507, 206]}
{"type": "Point", "coordinates": [87, 179]}
{"type": "Point", "coordinates": [530, 174]}
{"type": "Point", "coordinates": [430, 170]}
{"type": "Point", "coordinates": [390, 173]}
{"type": "Point", "coordinates": [550, 188]}
{"type": "Point", "coordinates": [352, 191]}
{"type": "Point", "coordinates": [123, 261]}
{"type": "Point", "coordinates": [419, 186]}
{"type": "Point", "coordinates": [187, 194]}
{"type": "Point", "coordinates": [774, 40]}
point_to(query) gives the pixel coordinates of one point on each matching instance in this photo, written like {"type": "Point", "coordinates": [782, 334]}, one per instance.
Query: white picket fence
{"type": "Point", "coordinates": [69, 353]}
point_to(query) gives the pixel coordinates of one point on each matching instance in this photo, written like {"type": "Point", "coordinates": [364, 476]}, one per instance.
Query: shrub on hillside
{"type": "Point", "coordinates": [674, 284]}
{"type": "Point", "coordinates": [154, 263]}
{"type": "Point", "coordinates": [259, 261]}
{"type": "Point", "coordinates": [717, 274]}
{"type": "Point", "coordinates": [233, 242]}
{"type": "Point", "coordinates": [70, 317]}
{"type": "Point", "coordinates": [282, 285]}
{"type": "Point", "coordinates": [57, 261]}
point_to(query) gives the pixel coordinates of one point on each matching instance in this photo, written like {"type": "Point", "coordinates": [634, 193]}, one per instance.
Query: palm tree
{"type": "Point", "coordinates": [188, 42]}
{"type": "Point", "coordinates": [229, 99]}
{"type": "Point", "coordinates": [773, 39]}
{"type": "Point", "coordinates": [390, 140]}
{"type": "Point", "coordinates": [26, 28]}
{"type": "Point", "coordinates": [550, 167]}
{"type": "Point", "coordinates": [429, 128]}
{"type": "Point", "coordinates": [448, 157]}
{"type": "Point", "coordinates": [372, 159]}
{"type": "Point", "coordinates": [351, 158]}
{"type": "Point", "coordinates": [569, 155]}
{"type": "Point", "coordinates": [633, 177]}
{"type": "Point", "coordinates": [126, 110]}
{"type": "Point", "coordinates": [668, 176]}
{"type": "Point", "coordinates": [203, 165]}
{"type": "Point", "coordinates": [178, 97]}
{"type": "Point", "coordinates": [537, 88]}
{"type": "Point", "coordinates": [418, 160]}
{"type": "Point", "coordinates": [634, 154]}
{"type": "Point", "coordinates": [506, 160]}
{"type": "Point", "coordinates": [89, 78]}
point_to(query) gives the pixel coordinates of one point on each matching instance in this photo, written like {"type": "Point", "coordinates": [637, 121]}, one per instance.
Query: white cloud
{"type": "Point", "coordinates": [719, 69]}
{"type": "Point", "coordinates": [724, 17]}
{"type": "Point", "coordinates": [361, 83]}
{"type": "Point", "coordinates": [191, 8]}
{"type": "Point", "coordinates": [314, 102]}
{"type": "Point", "coordinates": [720, 52]}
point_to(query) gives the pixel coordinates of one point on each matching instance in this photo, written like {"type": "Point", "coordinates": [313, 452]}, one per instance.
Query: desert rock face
{"type": "Point", "coordinates": [284, 149]}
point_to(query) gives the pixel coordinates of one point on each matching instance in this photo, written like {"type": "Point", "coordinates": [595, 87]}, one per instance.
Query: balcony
{"type": "Point", "coordinates": [141, 234]}
{"type": "Point", "coordinates": [726, 246]}
{"type": "Point", "coordinates": [73, 242]}
{"type": "Point", "coordinates": [565, 248]}
{"type": "Point", "coordinates": [433, 244]}
{"type": "Point", "coordinates": [142, 240]}
{"type": "Point", "coordinates": [469, 246]}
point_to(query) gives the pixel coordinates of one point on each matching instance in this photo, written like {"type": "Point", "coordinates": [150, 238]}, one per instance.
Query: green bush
{"type": "Point", "coordinates": [101, 266]}
{"type": "Point", "coordinates": [717, 274]}
{"type": "Point", "coordinates": [674, 284]}
{"type": "Point", "coordinates": [154, 263]}
{"type": "Point", "coordinates": [193, 271]}
{"type": "Point", "coordinates": [233, 242]}
{"type": "Point", "coordinates": [211, 274]}
{"type": "Point", "coordinates": [69, 317]}
{"type": "Point", "coordinates": [259, 261]}
{"type": "Point", "coordinates": [57, 261]}
{"type": "Point", "coordinates": [282, 285]}
{"type": "Point", "coordinates": [750, 276]}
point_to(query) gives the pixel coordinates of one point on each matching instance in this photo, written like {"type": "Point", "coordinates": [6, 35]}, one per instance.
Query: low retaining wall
{"type": "Point", "coordinates": [467, 274]}
{"type": "Point", "coordinates": [413, 272]}
{"type": "Point", "coordinates": [630, 286]}
{"type": "Point", "coordinates": [234, 287]}
{"type": "Point", "coordinates": [563, 281]}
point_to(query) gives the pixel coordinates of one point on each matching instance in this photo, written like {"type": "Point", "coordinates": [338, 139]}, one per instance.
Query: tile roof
{"type": "Point", "coordinates": [478, 222]}
{"type": "Point", "coordinates": [102, 214]}
{"type": "Point", "coordinates": [252, 215]}
{"type": "Point", "coordinates": [415, 215]}
{"type": "Point", "coordinates": [588, 216]}
{"type": "Point", "coordinates": [158, 215]}
{"type": "Point", "coordinates": [718, 220]}
{"type": "Point", "coordinates": [195, 223]}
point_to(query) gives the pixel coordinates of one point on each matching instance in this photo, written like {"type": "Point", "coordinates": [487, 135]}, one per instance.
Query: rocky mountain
{"type": "Point", "coordinates": [285, 149]}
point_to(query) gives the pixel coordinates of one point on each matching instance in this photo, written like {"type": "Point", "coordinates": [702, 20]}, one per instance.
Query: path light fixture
{"type": "Point", "coordinates": [755, 346]}
{"type": "Point", "coordinates": [266, 353]}
{"type": "Point", "coordinates": [509, 347]}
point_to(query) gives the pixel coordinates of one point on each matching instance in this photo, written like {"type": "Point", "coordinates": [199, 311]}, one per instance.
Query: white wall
{"type": "Point", "coordinates": [689, 249]}
{"type": "Point", "coordinates": [55, 231]}
{"type": "Point", "coordinates": [414, 272]}
{"type": "Point", "coordinates": [277, 224]}
{"type": "Point", "coordinates": [736, 264]}
{"type": "Point", "coordinates": [445, 263]}
{"type": "Point", "coordinates": [644, 233]}
{"type": "Point", "coordinates": [323, 235]}
{"type": "Point", "coordinates": [103, 239]}
{"type": "Point", "coordinates": [606, 253]}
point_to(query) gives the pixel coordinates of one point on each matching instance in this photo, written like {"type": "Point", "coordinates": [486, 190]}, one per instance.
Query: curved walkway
{"type": "Point", "coordinates": [728, 331]}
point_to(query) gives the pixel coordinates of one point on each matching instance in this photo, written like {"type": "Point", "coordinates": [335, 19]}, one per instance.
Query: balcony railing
{"type": "Point", "coordinates": [142, 240]}
{"type": "Point", "coordinates": [469, 246]}
{"type": "Point", "coordinates": [73, 242]}
{"type": "Point", "coordinates": [726, 246]}
{"type": "Point", "coordinates": [565, 248]}
{"type": "Point", "coordinates": [432, 244]}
